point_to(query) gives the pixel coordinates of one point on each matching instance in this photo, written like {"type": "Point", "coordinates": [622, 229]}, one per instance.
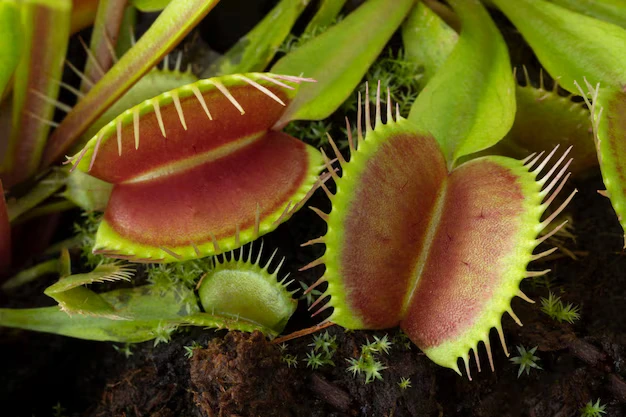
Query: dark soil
{"type": "Point", "coordinates": [243, 375]}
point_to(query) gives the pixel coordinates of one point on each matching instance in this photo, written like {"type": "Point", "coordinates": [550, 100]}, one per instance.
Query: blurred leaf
{"type": "Point", "coordinates": [612, 11]}
{"type": "Point", "coordinates": [326, 14]}
{"type": "Point", "coordinates": [569, 45]}
{"type": "Point", "coordinates": [5, 236]}
{"type": "Point", "coordinates": [427, 39]}
{"type": "Point", "coordinates": [43, 189]}
{"type": "Point", "coordinates": [10, 42]}
{"type": "Point", "coordinates": [256, 49]}
{"type": "Point", "coordinates": [150, 5]}
{"type": "Point", "coordinates": [83, 14]}
{"type": "Point", "coordinates": [87, 192]}
{"type": "Point", "coordinates": [106, 30]}
{"type": "Point", "coordinates": [339, 58]}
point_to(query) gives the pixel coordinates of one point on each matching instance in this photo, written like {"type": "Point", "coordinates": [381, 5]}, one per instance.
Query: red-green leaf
{"type": "Point", "coordinates": [104, 36]}
{"type": "Point", "coordinates": [10, 42]}
{"type": "Point", "coordinates": [46, 27]}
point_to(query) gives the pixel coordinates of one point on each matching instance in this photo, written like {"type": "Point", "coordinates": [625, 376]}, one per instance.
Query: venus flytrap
{"type": "Point", "coordinates": [157, 154]}
{"type": "Point", "coordinates": [443, 290]}
{"type": "Point", "coordinates": [176, 20]}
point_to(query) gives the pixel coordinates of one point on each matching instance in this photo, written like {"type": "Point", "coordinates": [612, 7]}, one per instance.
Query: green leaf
{"type": "Point", "coordinates": [10, 41]}
{"type": "Point", "coordinates": [609, 125]}
{"type": "Point", "coordinates": [176, 20]}
{"type": "Point", "coordinates": [339, 58]}
{"type": "Point", "coordinates": [87, 192]}
{"type": "Point", "coordinates": [150, 5]}
{"type": "Point", "coordinates": [569, 45]}
{"type": "Point", "coordinates": [125, 40]}
{"type": "Point", "coordinates": [427, 39]}
{"type": "Point", "coordinates": [612, 11]}
{"type": "Point", "coordinates": [255, 50]}
{"type": "Point", "coordinates": [469, 104]}
{"type": "Point", "coordinates": [30, 274]}
{"type": "Point", "coordinates": [326, 14]}
{"type": "Point", "coordinates": [143, 313]}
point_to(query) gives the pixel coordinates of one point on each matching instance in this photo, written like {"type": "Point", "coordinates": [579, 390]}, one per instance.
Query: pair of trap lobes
{"type": "Point", "coordinates": [200, 170]}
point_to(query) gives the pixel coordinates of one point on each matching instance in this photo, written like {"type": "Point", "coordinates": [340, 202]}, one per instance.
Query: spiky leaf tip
{"type": "Point", "coordinates": [240, 287]}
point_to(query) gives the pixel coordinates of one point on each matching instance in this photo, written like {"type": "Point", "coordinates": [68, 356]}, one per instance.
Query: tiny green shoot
{"type": "Point", "coordinates": [368, 363]}
{"type": "Point", "coordinates": [526, 360]}
{"type": "Point", "coordinates": [124, 350]}
{"type": "Point", "coordinates": [593, 410]}
{"type": "Point", "coordinates": [58, 410]}
{"type": "Point", "coordinates": [191, 348]}
{"type": "Point", "coordinates": [404, 383]}
{"type": "Point", "coordinates": [557, 310]}
{"type": "Point", "coordinates": [290, 360]}
{"type": "Point", "coordinates": [163, 334]}
{"type": "Point", "coordinates": [324, 348]}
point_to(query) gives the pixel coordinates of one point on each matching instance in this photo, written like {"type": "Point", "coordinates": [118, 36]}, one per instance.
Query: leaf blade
{"type": "Point", "coordinates": [339, 58]}
{"type": "Point", "coordinates": [480, 84]}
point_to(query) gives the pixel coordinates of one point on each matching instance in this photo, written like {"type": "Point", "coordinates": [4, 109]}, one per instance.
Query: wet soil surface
{"type": "Point", "coordinates": [236, 374]}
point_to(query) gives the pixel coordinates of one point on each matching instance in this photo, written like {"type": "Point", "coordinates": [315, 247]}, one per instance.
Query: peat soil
{"type": "Point", "coordinates": [237, 374]}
